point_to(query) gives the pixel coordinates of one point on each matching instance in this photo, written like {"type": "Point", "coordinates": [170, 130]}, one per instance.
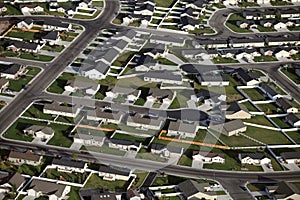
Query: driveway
{"type": "Point", "coordinates": [292, 167]}
{"type": "Point", "coordinates": [197, 164]}
{"type": "Point", "coordinates": [75, 146]}
{"type": "Point", "coordinates": [267, 169]}
{"type": "Point", "coordinates": [130, 154]}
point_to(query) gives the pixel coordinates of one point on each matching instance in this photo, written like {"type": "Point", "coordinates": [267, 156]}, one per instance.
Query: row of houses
{"type": "Point", "coordinates": [271, 13]}
{"type": "Point", "coordinates": [276, 24]}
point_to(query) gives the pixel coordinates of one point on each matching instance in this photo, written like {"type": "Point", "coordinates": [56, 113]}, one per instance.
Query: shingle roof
{"type": "Point", "coordinates": [68, 163]}
{"type": "Point", "coordinates": [25, 156]}
{"type": "Point", "coordinates": [114, 170]}
{"type": "Point", "coordinates": [171, 149]}
{"type": "Point", "coordinates": [190, 188]}
{"type": "Point", "coordinates": [290, 155]}
{"type": "Point", "coordinates": [44, 129]}
{"type": "Point", "coordinates": [269, 89]}
{"type": "Point", "coordinates": [182, 126]}
{"type": "Point", "coordinates": [47, 188]}
{"type": "Point", "coordinates": [253, 155]}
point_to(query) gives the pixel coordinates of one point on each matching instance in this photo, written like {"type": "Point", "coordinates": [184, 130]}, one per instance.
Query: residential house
{"type": "Point", "coordinates": [28, 158]}
{"type": "Point", "coordinates": [52, 37]}
{"type": "Point", "coordinates": [145, 9]}
{"type": "Point", "coordinates": [167, 40]}
{"type": "Point", "coordinates": [25, 24]}
{"type": "Point", "coordinates": [113, 173]}
{"type": "Point", "coordinates": [43, 132]}
{"type": "Point", "coordinates": [237, 111]}
{"type": "Point", "coordinates": [158, 51]}
{"type": "Point", "coordinates": [85, 4]}
{"type": "Point", "coordinates": [109, 56]}
{"type": "Point", "coordinates": [95, 70]}
{"type": "Point", "coordinates": [182, 129]}
{"type": "Point", "coordinates": [88, 138]}
{"type": "Point", "coordinates": [201, 95]}
{"type": "Point", "coordinates": [53, 190]}
{"type": "Point", "coordinates": [105, 116]}
{"type": "Point", "coordinates": [86, 86]}
{"type": "Point", "coordinates": [286, 105]}
{"type": "Point", "coordinates": [98, 194]}
{"type": "Point", "coordinates": [291, 157]}
{"type": "Point", "coordinates": [69, 166]}
{"type": "Point", "coordinates": [166, 151]}
{"type": "Point", "coordinates": [189, 23]}
{"type": "Point", "coordinates": [145, 63]}
{"type": "Point", "coordinates": [191, 189]}
{"type": "Point", "coordinates": [293, 120]}
{"type": "Point", "coordinates": [124, 145]}
{"type": "Point", "coordinates": [11, 71]}
{"type": "Point", "coordinates": [206, 157]}
{"type": "Point", "coordinates": [51, 25]}
{"type": "Point", "coordinates": [130, 95]}
{"type": "Point", "coordinates": [161, 95]}
{"type": "Point", "coordinates": [213, 80]}
{"type": "Point", "coordinates": [230, 128]}
{"type": "Point", "coordinates": [163, 77]}
{"type": "Point", "coordinates": [145, 122]}
{"type": "Point", "coordinates": [4, 83]}
{"type": "Point", "coordinates": [58, 109]}
{"type": "Point", "coordinates": [245, 77]}
{"type": "Point", "coordinates": [284, 190]}
{"type": "Point", "coordinates": [270, 91]}
{"type": "Point", "coordinates": [11, 182]}
{"type": "Point", "coordinates": [27, 47]}
{"type": "Point", "coordinates": [31, 8]}
{"type": "Point", "coordinates": [254, 159]}
{"type": "Point", "coordinates": [197, 4]}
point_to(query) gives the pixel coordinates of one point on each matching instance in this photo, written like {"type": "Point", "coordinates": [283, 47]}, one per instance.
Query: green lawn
{"type": "Point", "coordinates": [19, 83]}
{"type": "Point", "coordinates": [270, 108]}
{"type": "Point", "coordinates": [104, 149]}
{"type": "Point", "coordinates": [235, 28]}
{"type": "Point", "coordinates": [219, 60]}
{"type": "Point", "coordinates": [236, 141]}
{"type": "Point", "coordinates": [165, 61]}
{"type": "Point", "coordinates": [280, 3]}
{"type": "Point", "coordinates": [144, 154]}
{"type": "Point", "coordinates": [249, 106]}
{"type": "Point", "coordinates": [77, 16]}
{"type": "Point", "coordinates": [33, 71]}
{"type": "Point", "coordinates": [126, 137]}
{"type": "Point", "coordinates": [25, 35]}
{"type": "Point", "coordinates": [254, 94]}
{"type": "Point", "coordinates": [185, 161]}
{"type": "Point", "coordinates": [140, 177]}
{"type": "Point", "coordinates": [291, 74]}
{"type": "Point", "coordinates": [123, 59]}
{"type": "Point", "coordinates": [39, 57]}
{"type": "Point", "coordinates": [56, 48]}
{"type": "Point", "coordinates": [12, 10]}
{"type": "Point", "coordinates": [167, 180]}
{"type": "Point", "coordinates": [97, 3]}
{"type": "Point", "coordinates": [36, 111]}
{"type": "Point", "coordinates": [265, 29]}
{"type": "Point", "coordinates": [95, 182]}
{"type": "Point", "coordinates": [295, 135]}
{"type": "Point", "coordinates": [164, 3]}
{"type": "Point", "coordinates": [60, 137]}
{"type": "Point", "coordinates": [280, 122]}
{"type": "Point", "coordinates": [247, 4]}
{"type": "Point", "coordinates": [231, 162]}
{"type": "Point", "coordinates": [259, 119]}
{"type": "Point", "coordinates": [202, 31]}
{"type": "Point", "coordinates": [69, 177]}
{"type": "Point", "coordinates": [295, 28]}
{"type": "Point", "coordinates": [236, 17]}
{"type": "Point", "coordinates": [58, 85]}
{"type": "Point", "coordinates": [264, 59]}
{"type": "Point", "coordinates": [267, 136]}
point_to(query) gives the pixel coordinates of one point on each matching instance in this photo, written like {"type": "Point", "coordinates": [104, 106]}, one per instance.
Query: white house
{"type": "Point", "coordinates": [88, 139]}
{"type": "Point", "coordinates": [145, 122]}
{"type": "Point", "coordinates": [27, 24]}
{"type": "Point", "coordinates": [209, 157]}
{"type": "Point", "coordinates": [69, 166]}
{"type": "Point", "coordinates": [124, 145]}
{"type": "Point", "coordinates": [254, 159]}
{"type": "Point", "coordinates": [113, 173]}
{"type": "Point", "coordinates": [29, 158]}
{"type": "Point", "coordinates": [182, 129]}
{"type": "Point", "coordinates": [43, 132]}
{"type": "Point", "coordinates": [166, 151]}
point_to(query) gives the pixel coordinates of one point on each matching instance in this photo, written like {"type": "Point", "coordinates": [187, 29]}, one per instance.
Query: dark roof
{"type": "Point", "coordinates": [161, 93]}
{"type": "Point", "coordinates": [290, 155]}
{"type": "Point", "coordinates": [47, 188]}
{"type": "Point", "coordinates": [9, 69]}
{"type": "Point", "coordinates": [292, 117]}
{"type": "Point", "coordinates": [253, 155]}
{"type": "Point", "coordinates": [212, 78]}
{"type": "Point", "coordinates": [166, 75]}
{"type": "Point", "coordinates": [25, 156]}
{"type": "Point", "coordinates": [123, 142]}
{"type": "Point", "coordinates": [96, 194]}
{"type": "Point", "coordinates": [51, 35]}
{"type": "Point", "coordinates": [68, 163]}
{"type": "Point", "coordinates": [285, 189]}
{"type": "Point", "coordinates": [235, 107]}
{"type": "Point", "coordinates": [3, 81]}
{"type": "Point", "coordinates": [284, 103]}
{"type": "Point", "coordinates": [44, 129]}
{"type": "Point", "coordinates": [114, 170]}
{"type": "Point", "coordinates": [190, 188]}
{"type": "Point", "coordinates": [182, 126]}
{"type": "Point", "coordinates": [105, 115]}
{"type": "Point", "coordinates": [144, 120]}
{"type": "Point", "coordinates": [56, 23]}
{"type": "Point", "coordinates": [186, 20]}
{"type": "Point", "coordinates": [243, 74]}
{"type": "Point", "coordinates": [23, 45]}
{"type": "Point", "coordinates": [28, 21]}
{"type": "Point", "coordinates": [171, 149]}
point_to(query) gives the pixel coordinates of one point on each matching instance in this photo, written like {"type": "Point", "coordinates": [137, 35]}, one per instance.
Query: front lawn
{"type": "Point", "coordinates": [38, 57]}
{"type": "Point", "coordinates": [96, 182]}
{"type": "Point", "coordinates": [104, 149]}
{"type": "Point", "coordinates": [164, 3]}
{"type": "Point", "coordinates": [259, 119]}
{"type": "Point", "coordinates": [290, 72]}
{"type": "Point", "coordinates": [36, 111]}
{"type": "Point", "coordinates": [236, 141]}
{"type": "Point", "coordinates": [60, 137]}
{"type": "Point", "coordinates": [254, 94]}
{"type": "Point", "coordinates": [219, 60]}
{"type": "Point", "coordinates": [19, 83]}
{"type": "Point", "coordinates": [69, 177]}
{"type": "Point", "coordinates": [25, 35]}
{"type": "Point", "coordinates": [264, 59]}
{"type": "Point", "coordinates": [165, 61]}
{"type": "Point", "coordinates": [281, 122]}
{"type": "Point", "coordinates": [56, 48]}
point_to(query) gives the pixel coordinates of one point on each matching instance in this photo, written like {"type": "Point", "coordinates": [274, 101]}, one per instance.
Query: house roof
{"type": "Point", "coordinates": [57, 107]}
{"type": "Point", "coordinates": [161, 93]}
{"type": "Point", "coordinates": [293, 118]}
{"type": "Point", "coordinates": [186, 20]}
{"type": "Point", "coordinates": [114, 170]}
{"type": "Point", "coordinates": [172, 149]}
{"type": "Point", "coordinates": [290, 155]}
{"type": "Point", "coordinates": [123, 142]}
{"type": "Point", "coordinates": [83, 84]}
{"type": "Point", "coordinates": [228, 126]}
{"type": "Point", "coordinates": [50, 35]}
{"type": "Point", "coordinates": [285, 189]}
{"type": "Point", "coordinates": [284, 103]}
{"type": "Point", "coordinates": [86, 134]}
{"type": "Point", "coordinates": [144, 120]}
{"type": "Point", "coordinates": [44, 129]}
{"type": "Point", "coordinates": [28, 21]}
{"type": "Point", "coordinates": [104, 115]}
{"type": "Point", "coordinates": [69, 163]}
{"type": "Point", "coordinates": [236, 107]}
{"type": "Point", "coordinates": [243, 74]}
{"type": "Point", "coordinates": [252, 155]}
{"type": "Point", "coordinates": [23, 45]}
{"type": "Point", "coordinates": [110, 55]}
{"type": "Point", "coordinates": [9, 69]}
{"type": "Point", "coordinates": [24, 156]}
{"type": "Point", "coordinates": [3, 81]}
{"type": "Point", "coordinates": [16, 179]}
{"type": "Point", "coordinates": [146, 60]}
{"type": "Point", "coordinates": [212, 78]}
{"type": "Point", "coordinates": [56, 23]}
{"type": "Point", "coordinates": [164, 75]}
{"type": "Point", "coordinates": [182, 126]}
{"type": "Point", "coordinates": [208, 155]}
{"type": "Point", "coordinates": [96, 194]}
{"type": "Point", "coordinates": [47, 188]}
{"type": "Point", "coordinates": [190, 188]}
{"type": "Point", "coordinates": [167, 39]}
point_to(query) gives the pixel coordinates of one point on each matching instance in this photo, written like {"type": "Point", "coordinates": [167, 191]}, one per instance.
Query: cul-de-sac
{"type": "Point", "coordinates": [149, 99]}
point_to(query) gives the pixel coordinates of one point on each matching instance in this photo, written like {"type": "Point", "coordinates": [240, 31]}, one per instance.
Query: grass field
{"type": "Point", "coordinates": [295, 135]}
{"type": "Point", "coordinates": [254, 94]}
{"type": "Point", "coordinates": [58, 85]}
{"type": "Point", "coordinates": [36, 111]}
{"type": "Point", "coordinates": [249, 106]}
{"type": "Point", "coordinates": [219, 60]}
{"type": "Point", "coordinates": [280, 122]}
{"type": "Point", "coordinates": [96, 182]}
{"type": "Point", "coordinates": [60, 137]}
{"type": "Point", "coordinates": [259, 119]}
{"type": "Point", "coordinates": [291, 74]}
{"type": "Point", "coordinates": [164, 3]}
{"type": "Point", "coordinates": [270, 108]}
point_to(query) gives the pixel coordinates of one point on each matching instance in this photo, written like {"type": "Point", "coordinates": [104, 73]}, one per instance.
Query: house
{"type": "Point", "coordinates": [30, 8]}
{"type": "Point", "coordinates": [284, 190]}
{"type": "Point", "coordinates": [166, 151]}
{"type": "Point", "coordinates": [43, 132]}
{"type": "Point", "coordinates": [124, 145]}
{"type": "Point", "coordinates": [230, 128]}
{"type": "Point", "coordinates": [291, 157]}
{"type": "Point", "coordinates": [94, 70]}
{"type": "Point", "coordinates": [59, 109]}
{"type": "Point", "coordinates": [293, 119]}
{"type": "Point", "coordinates": [51, 25]}
{"type": "Point", "coordinates": [237, 111]}
{"type": "Point", "coordinates": [85, 4]}
{"type": "Point", "coordinates": [145, 122]}
{"type": "Point", "coordinates": [189, 23]}
{"type": "Point", "coordinates": [270, 91]}
{"type": "Point", "coordinates": [11, 71]}
{"type": "Point", "coordinates": [104, 116]}
{"type": "Point", "coordinates": [158, 51]}
{"type": "Point", "coordinates": [86, 86]}
{"type": "Point", "coordinates": [212, 80]}
{"type": "Point", "coordinates": [286, 105]}
{"type": "Point", "coordinates": [280, 25]}
{"type": "Point", "coordinates": [4, 83]}
{"type": "Point", "coordinates": [11, 182]}
{"type": "Point", "coordinates": [191, 189]}
{"type": "Point", "coordinates": [245, 77]}
{"type": "Point", "coordinates": [113, 173]}
{"type": "Point", "coordinates": [167, 40]}
{"type": "Point", "coordinates": [206, 157]}
{"type": "Point", "coordinates": [52, 37]}
{"type": "Point", "coordinates": [145, 9]}
{"type": "Point", "coordinates": [197, 4]}
{"type": "Point", "coordinates": [26, 24]}
{"type": "Point", "coordinates": [160, 95]}
{"type": "Point", "coordinates": [69, 166]}
{"type": "Point", "coordinates": [109, 56]}
{"type": "Point", "coordinates": [88, 138]}
{"type": "Point", "coordinates": [254, 159]}
{"type": "Point", "coordinates": [201, 95]}
{"type": "Point", "coordinates": [163, 77]}
{"type": "Point", "coordinates": [282, 53]}
{"type": "Point", "coordinates": [53, 190]}
{"type": "Point", "coordinates": [145, 63]}
{"type": "Point", "coordinates": [28, 158]}
{"type": "Point", "coordinates": [28, 47]}
{"type": "Point", "coordinates": [182, 129]}
{"type": "Point", "coordinates": [130, 95]}
{"type": "Point", "coordinates": [134, 195]}
{"type": "Point", "coordinates": [98, 194]}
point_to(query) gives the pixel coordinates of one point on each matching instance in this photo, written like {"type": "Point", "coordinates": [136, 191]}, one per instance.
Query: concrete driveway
{"type": "Point", "coordinates": [197, 164]}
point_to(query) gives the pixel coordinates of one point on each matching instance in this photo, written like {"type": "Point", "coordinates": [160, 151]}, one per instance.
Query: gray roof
{"type": "Point", "coordinates": [161, 93]}
{"type": "Point", "coordinates": [110, 55]}
{"type": "Point", "coordinates": [285, 189]}
{"type": "Point", "coordinates": [167, 75]}
{"type": "Point", "coordinates": [83, 84]}
{"type": "Point", "coordinates": [35, 128]}
{"type": "Point", "coordinates": [228, 126]}
{"type": "Point", "coordinates": [86, 134]}
{"type": "Point", "coordinates": [212, 78]}
{"type": "Point", "coordinates": [16, 179]}
{"type": "Point", "coordinates": [269, 89]}
{"type": "Point", "coordinates": [51, 35]}
{"type": "Point", "coordinates": [105, 115]}
{"type": "Point", "coordinates": [56, 23]}
{"type": "Point", "coordinates": [293, 118]}
{"type": "Point", "coordinates": [171, 149]}
{"type": "Point", "coordinates": [47, 188]}
{"type": "Point", "coordinates": [284, 103]}
{"type": "Point", "coordinates": [68, 163]}
{"type": "Point", "coordinates": [57, 107]}
{"type": "Point", "coordinates": [10, 69]}
{"type": "Point", "coordinates": [25, 156]}
{"type": "Point", "coordinates": [23, 45]}
{"type": "Point", "coordinates": [121, 44]}
{"type": "Point", "coordinates": [114, 170]}
{"type": "Point", "coordinates": [123, 142]}
{"type": "Point", "coordinates": [182, 126]}
{"type": "Point", "coordinates": [96, 194]}
{"type": "Point", "coordinates": [125, 91]}
{"type": "Point", "coordinates": [139, 119]}
{"type": "Point", "coordinates": [236, 107]}
{"type": "Point", "coordinates": [3, 81]}
{"type": "Point", "coordinates": [190, 188]}
{"type": "Point", "coordinates": [290, 155]}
